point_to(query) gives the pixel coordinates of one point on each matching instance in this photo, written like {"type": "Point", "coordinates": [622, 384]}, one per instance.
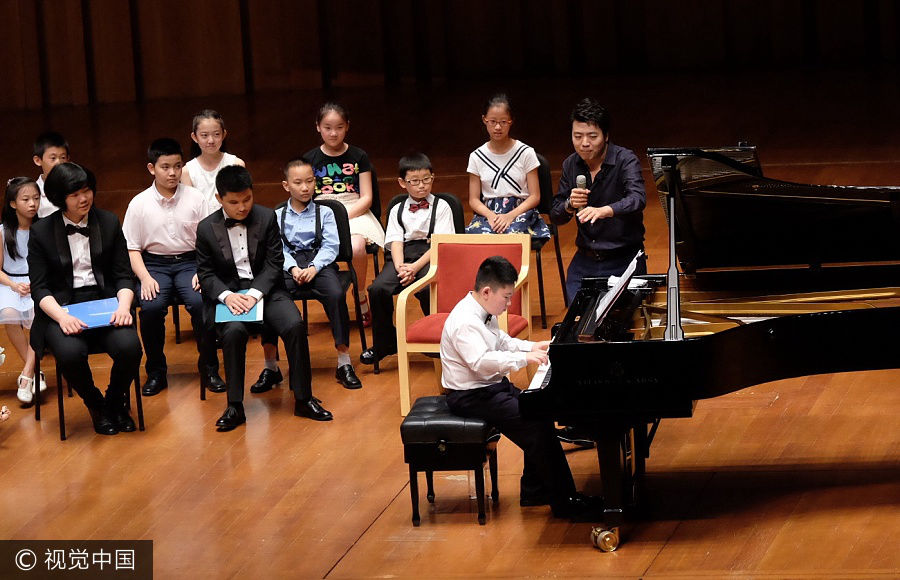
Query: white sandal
{"type": "Point", "coordinates": [26, 389]}
{"type": "Point", "coordinates": [43, 382]}
{"type": "Point", "coordinates": [4, 413]}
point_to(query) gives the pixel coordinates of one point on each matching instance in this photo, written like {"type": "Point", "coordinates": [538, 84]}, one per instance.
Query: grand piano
{"type": "Point", "coordinates": [767, 280]}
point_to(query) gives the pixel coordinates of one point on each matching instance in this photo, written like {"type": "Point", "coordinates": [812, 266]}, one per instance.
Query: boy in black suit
{"type": "Point", "coordinates": [76, 255]}
{"type": "Point", "coordinates": [239, 248]}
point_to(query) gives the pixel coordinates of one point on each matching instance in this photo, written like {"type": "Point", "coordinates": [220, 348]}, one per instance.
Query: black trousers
{"type": "Point", "coordinates": [326, 288]}
{"type": "Point", "coordinates": [280, 314]}
{"type": "Point", "coordinates": [174, 275]}
{"type": "Point", "coordinates": [71, 352]}
{"type": "Point", "coordinates": [381, 299]}
{"type": "Point", "coordinates": [546, 468]}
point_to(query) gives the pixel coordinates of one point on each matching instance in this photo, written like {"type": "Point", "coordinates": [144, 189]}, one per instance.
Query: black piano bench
{"type": "Point", "coordinates": [434, 439]}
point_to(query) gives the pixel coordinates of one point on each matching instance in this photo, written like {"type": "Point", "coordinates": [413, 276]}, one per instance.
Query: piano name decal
{"type": "Point", "coordinates": [616, 376]}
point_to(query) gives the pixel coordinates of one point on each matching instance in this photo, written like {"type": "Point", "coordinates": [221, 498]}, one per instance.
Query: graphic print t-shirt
{"type": "Point", "coordinates": [337, 175]}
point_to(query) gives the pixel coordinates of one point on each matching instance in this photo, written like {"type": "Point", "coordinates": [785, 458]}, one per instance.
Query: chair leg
{"type": "Point", "coordinates": [176, 322]}
{"type": "Point", "coordinates": [414, 494]}
{"type": "Point", "coordinates": [375, 263]}
{"type": "Point", "coordinates": [62, 410]}
{"type": "Point", "coordinates": [359, 320]}
{"type": "Point", "coordinates": [492, 463]}
{"type": "Point", "coordinates": [403, 379]}
{"type": "Point", "coordinates": [562, 272]}
{"type": "Point", "coordinates": [479, 492]}
{"type": "Point", "coordinates": [540, 273]}
{"type": "Point", "coordinates": [37, 397]}
{"type": "Point", "coordinates": [429, 480]}
{"type": "Point", "coordinates": [305, 316]}
{"type": "Point", "coordinates": [137, 397]}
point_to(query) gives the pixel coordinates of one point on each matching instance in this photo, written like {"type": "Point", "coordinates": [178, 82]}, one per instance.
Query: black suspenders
{"type": "Point", "coordinates": [317, 243]}
{"type": "Point", "coordinates": [430, 223]}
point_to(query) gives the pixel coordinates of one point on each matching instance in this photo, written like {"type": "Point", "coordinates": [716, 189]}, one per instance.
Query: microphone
{"type": "Point", "coordinates": [581, 182]}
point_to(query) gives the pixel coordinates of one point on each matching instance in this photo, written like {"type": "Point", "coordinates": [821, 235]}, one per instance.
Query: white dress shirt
{"type": "Point", "coordinates": [417, 222]}
{"type": "Point", "coordinates": [237, 235]}
{"type": "Point", "coordinates": [46, 208]}
{"type": "Point", "coordinates": [80, 247]}
{"type": "Point", "coordinates": [165, 226]}
{"type": "Point", "coordinates": [475, 354]}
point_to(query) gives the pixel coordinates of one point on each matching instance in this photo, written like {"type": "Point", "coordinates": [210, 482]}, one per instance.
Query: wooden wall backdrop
{"type": "Point", "coordinates": [71, 52]}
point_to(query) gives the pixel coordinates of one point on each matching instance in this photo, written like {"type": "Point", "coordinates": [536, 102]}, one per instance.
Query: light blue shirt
{"type": "Point", "coordinates": [300, 231]}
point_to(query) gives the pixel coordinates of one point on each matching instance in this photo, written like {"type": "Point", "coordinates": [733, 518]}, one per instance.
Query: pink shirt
{"type": "Point", "coordinates": [164, 226]}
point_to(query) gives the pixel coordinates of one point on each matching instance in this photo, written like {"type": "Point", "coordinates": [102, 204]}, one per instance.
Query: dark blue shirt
{"type": "Point", "coordinates": [620, 185]}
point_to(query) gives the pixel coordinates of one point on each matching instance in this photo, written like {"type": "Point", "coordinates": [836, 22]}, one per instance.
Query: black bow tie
{"type": "Point", "coordinates": [487, 319]}
{"type": "Point", "coordinates": [70, 229]}
{"type": "Point", "coordinates": [231, 222]}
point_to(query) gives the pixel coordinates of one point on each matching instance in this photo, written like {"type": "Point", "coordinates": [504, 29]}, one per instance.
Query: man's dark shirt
{"type": "Point", "coordinates": [620, 185]}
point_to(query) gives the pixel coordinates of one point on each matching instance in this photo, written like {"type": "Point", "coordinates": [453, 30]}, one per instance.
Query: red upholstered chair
{"type": "Point", "coordinates": [454, 261]}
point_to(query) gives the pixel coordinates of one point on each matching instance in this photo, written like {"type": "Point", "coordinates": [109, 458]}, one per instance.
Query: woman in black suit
{"type": "Point", "coordinates": [76, 255]}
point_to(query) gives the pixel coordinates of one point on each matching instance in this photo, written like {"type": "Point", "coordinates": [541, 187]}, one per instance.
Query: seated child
{"type": "Point", "coordinates": [311, 243]}
{"type": "Point", "coordinates": [252, 260]}
{"type": "Point", "coordinates": [408, 235]}
{"type": "Point", "coordinates": [160, 227]}
{"type": "Point", "coordinates": [476, 357]}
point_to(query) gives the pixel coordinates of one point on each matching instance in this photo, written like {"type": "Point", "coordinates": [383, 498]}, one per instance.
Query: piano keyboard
{"type": "Point", "coordinates": [540, 378]}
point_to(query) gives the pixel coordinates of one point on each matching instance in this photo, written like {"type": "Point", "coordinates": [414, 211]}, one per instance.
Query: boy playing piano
{"type": "Point", "coordinates": [476, 357]}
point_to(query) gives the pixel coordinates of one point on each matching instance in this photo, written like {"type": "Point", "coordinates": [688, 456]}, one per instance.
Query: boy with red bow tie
{"type": "Point", "coordinates": [408, 235]}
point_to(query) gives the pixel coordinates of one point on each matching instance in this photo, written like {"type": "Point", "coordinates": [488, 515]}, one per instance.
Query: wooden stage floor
{"type": "Point", "coordinates": [792, 479]}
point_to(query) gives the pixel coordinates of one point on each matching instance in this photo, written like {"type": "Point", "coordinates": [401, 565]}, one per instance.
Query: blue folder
{"type": "Point", "coordinates": [94, 313]}
{"type": "Point", "coordinates": [224, 314]}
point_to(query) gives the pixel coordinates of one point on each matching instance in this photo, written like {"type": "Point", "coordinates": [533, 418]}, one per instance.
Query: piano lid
{"type": "Point", "coordinates": [728, 216]}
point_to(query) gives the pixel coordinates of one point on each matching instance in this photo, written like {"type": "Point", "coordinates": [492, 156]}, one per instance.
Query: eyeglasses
{"type": "Point", "coordinates": [417, 182]}
{"type": "Point", "coordinates": [492, 122]}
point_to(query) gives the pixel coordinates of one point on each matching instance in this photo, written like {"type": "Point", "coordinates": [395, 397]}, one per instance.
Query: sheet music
{"type": "Point", "coordinates": [613, 293]}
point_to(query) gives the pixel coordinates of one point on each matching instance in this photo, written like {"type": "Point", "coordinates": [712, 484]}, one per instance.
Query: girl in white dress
{"type": "Point", "coordinates": [208, 134]}
{"type": "Point", "coordinates": [16, 307]}
{"type": "Point", "coordinates": [343, 173]}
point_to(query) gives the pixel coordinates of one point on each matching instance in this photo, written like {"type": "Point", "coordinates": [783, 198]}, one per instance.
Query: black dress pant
{"type": "Point", "coordinates": [381, 299]}
{"type": "Point", "coordinates": [71, 353]}
{"type": "Point", "coordinates": [280, 314]}
{"type": "Point", "coordinates": [174, 275]}
{"type": "Point", "coordinates": [326, 288]}
{"type": "Point", "coordinates": [546, 468]}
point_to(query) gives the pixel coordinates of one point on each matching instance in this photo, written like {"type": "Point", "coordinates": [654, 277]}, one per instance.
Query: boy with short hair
{"type": "Point", "coordinates": [476, 357]}
{"type": "Point", "coordinates": [160, 228]}
{"type": "Point", "coordinates": [408, 235]}
{"type": "Point", "coordinates": [239, 249]}
{"type": "Point", "coordinates": [50, 149]}
{"type": "Point", "coordinates": [310, 236]}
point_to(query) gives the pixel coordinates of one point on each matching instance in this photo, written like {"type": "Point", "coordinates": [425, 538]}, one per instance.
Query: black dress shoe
{"type": "Point", "coordinates": [103, 424]}
{"type": "Point", "coordinates": [231, 418]}
{"type": "Point", "coordinates": [578, 507]}
{"type": "Point", "coordinates": [311, 409]}
{"type": "Point", "coordinates": [347, 377]}
{"type": "Point", "coordinates": [267, 379]}
{"type": "Point", "coordinates": [118, 414]}
{"type": "Point", "coordinates": [369, 357]}
{"type": "Point", "coordinates": [575, 436]}
{"type": "Point", "coordinates": [154, 385]}
{"type": "Point", "coordinates": [213, 382]}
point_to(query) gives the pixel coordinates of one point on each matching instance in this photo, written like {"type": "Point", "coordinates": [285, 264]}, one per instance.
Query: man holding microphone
{"type": "Point", "coordinates": [602, 188]}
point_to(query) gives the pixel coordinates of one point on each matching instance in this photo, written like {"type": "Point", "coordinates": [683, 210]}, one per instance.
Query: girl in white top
{"type": "Point", "coordinates": [208, 134]}
{"type": "Point", "coordinates": [503, 181]}
{"type": "Point", "coordinates": [16, 307]}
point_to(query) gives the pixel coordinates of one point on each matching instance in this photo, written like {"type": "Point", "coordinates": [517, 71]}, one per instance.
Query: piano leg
{"type": "Point", "coordinates": [617, 484]}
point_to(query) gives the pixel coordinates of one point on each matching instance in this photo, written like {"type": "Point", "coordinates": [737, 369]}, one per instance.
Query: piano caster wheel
{"type": "Point", "coordinates": [606, 540]}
